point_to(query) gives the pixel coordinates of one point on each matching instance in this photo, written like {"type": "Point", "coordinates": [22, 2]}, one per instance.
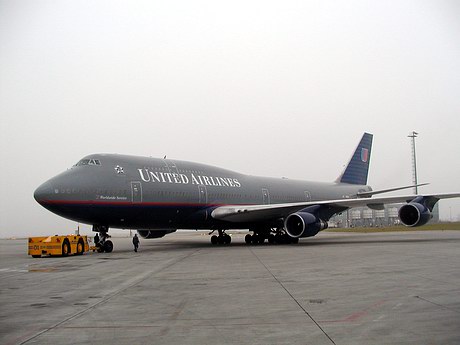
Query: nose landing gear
{"type": "Point", "coordinates": [101, 241]}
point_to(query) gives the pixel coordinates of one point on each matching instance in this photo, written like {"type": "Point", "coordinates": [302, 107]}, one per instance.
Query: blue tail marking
{"type": "Point", "coordinates": [357, 169]}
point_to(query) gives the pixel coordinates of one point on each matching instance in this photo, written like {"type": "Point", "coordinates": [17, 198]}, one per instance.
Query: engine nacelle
{"type": "Point", "coordinates": [303, 224]}
{"type": "Point", "coordinates": [154, 233]}
{"type": "Point", "coordinates": [414, 214]}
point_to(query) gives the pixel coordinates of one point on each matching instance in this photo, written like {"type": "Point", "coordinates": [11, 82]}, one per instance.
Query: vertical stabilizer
{"type": "Point", "coordinates": [357, 169]}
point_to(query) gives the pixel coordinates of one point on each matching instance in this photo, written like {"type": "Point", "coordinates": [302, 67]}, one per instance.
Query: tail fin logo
{"type": "Point", "coordinates": [364, 155]}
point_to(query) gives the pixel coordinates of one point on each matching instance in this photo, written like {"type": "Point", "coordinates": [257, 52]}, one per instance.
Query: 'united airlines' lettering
{"type": "Point", "coordinates": [158, 177]}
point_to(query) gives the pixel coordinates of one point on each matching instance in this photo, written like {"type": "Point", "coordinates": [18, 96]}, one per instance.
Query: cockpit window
{"type": "Point", "coordinates": [89, 162]}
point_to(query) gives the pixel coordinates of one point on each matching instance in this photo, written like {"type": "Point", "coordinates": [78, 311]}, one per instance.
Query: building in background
{"type": "Point", "coordinates": [366, 217]}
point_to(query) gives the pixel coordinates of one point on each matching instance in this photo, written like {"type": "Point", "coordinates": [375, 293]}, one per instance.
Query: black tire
{"type": "Point", "coordinates": [214, 239]}
{"type": "Point", "coordinates": [271, 239]}
{"type": "Point", "coordinates": [100, 249]}
{"type": "Point", "coordinates": [221, 239]}
{"type": "Point", "coordinates": [108, 246]}
{"type": "Point", "coordinates": [261, 240]}
{"type": "Point", "coordinates": [287, 239]}
{"type": "Point", "coordinates": [295, 240]}
{"type": "Point", "coordinates": [227, 239]}
{"type": "Point", "coordinates": [65, 248]}
{"type": "Point", "coordinates": [36, 256]}
{"type": "Point", "coordinates": [248, 239]}
{"type": "Point", "coordinates": [255, 239]}
{"type": "Point", "coordinates": [279, 239]}
{"type": "Point", "coordinates": [80, 247]}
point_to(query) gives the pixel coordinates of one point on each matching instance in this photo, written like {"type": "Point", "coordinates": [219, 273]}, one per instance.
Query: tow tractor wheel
{"type": "Point", "coordinates": [65, 248]}
{"type": "Point", "coordinates": [108, 246]}
{"type": "Point", "coordinates": [80, 247]}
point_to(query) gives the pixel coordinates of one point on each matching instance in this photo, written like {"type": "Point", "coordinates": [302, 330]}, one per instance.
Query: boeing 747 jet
{"type": "Point", "coordinates": [158, 196]}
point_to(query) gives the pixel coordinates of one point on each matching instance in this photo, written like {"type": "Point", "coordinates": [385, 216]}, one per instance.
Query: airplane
{"type": "Point", "coordinates": [158, 196]}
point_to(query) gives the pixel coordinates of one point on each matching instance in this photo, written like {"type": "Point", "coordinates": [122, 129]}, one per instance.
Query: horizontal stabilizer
{"type": "Point", "coordinates": [373, 192]}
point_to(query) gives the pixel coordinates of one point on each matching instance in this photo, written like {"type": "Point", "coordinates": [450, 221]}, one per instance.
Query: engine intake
{"type": "Point", "coordinates": [154, 233]}
{"type": "Point", "coordinates": [303, 224]}
{"type": "Point", "coordinates": [414, 214]}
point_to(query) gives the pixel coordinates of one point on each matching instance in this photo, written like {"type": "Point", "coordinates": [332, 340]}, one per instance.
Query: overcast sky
{"type": "Point", "coordinates": [272, 88]}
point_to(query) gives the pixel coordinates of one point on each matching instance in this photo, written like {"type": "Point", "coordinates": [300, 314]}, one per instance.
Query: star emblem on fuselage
{"type": "Point", "coordinates": [119, 169]}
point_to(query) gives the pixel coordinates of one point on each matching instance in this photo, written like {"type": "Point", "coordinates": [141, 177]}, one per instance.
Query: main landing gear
{"type": "Point", "coordinates": [273, 236]}
{"type": "Point", "coordinates": [222, 238]}
{"type": "Point", "coordinates": [103, 244]}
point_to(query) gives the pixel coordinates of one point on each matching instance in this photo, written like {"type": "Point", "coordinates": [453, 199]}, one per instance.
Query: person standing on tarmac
{"type": "Point", "coordinates": [135, 242]}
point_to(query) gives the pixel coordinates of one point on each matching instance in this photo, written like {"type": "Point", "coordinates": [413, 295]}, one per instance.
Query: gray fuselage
{"type": "Point", "coordinates": [132, 192]}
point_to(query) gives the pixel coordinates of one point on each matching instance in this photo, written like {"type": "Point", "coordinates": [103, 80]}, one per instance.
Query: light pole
{"type": "Point", "coordinates": [414, 135]}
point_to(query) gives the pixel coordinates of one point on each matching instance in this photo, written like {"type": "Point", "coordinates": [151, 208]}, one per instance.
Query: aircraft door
{"type": "Point", "coordinates": [136, 191]}
{"type": "Point", "coordinates": [265, 196]}
{"type": "Point", "coordinates": [202, 194]}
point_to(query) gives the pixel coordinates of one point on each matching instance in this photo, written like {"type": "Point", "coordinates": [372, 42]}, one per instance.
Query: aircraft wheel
{"type": "Point", "coordinates": [271, 239]}
{"type": "Point", "coordinates": [287, 239]}
{"type": "Point", "coordinates": [255, 239]}
{"type": "Point", "coordinates": [295, 240]}
{"type": "Point", "coordinates": [221, 239]}
{"type": "Point", "coordinates": [227, 239]}
{"type": "Point", "coordinates": [248, 239]}
{"type": "Point", "coordinates": [261, 240]}
{"type": "Point", "coordinates": [278, 239]}
{"type": "Point", "coordinates": [108, 246]}
{"type": "Point", "coordinates": [214, 239]}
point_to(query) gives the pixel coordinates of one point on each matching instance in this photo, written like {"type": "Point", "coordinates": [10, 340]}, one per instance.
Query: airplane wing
{"type": "Point", "coordinates": [254, 213]}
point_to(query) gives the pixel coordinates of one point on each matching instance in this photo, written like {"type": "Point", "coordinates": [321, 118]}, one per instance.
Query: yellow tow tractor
{"type": "Point", "coordinates": [58, 245]}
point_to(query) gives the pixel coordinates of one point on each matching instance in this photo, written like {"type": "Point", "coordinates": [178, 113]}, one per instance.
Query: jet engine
{"type": "Point", "coordinates": [414, 214]}
{"type": "Point", "coordinates": [303, 224]}
{"type": "Point", "coordinates": [154, 233]}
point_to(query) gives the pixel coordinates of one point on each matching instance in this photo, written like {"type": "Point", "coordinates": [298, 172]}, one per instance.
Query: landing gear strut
{"type": "Point", "coordinates": [259, 236]}
{"type": "Point", "coordinates": [222, 238]}
{"type": "Point", "coordinates": [104, 244]}
{"type": "Point", "coordinates": [274, 236]}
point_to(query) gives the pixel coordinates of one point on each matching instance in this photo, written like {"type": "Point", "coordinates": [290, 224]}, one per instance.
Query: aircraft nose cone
{"type": "Point", "coordinates": [43, 192]}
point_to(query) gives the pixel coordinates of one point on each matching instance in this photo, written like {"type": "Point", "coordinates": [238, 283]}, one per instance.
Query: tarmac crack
{"type": "Point", "coordinates": [292, 297]}
{"type": "Point", "coordinates": [437, 304]}
{"type": "Point", "coordinates": [144, 277]}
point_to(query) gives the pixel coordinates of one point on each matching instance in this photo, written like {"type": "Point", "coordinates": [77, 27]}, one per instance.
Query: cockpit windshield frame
{"type": "Point", "coordinates": [88, 161]}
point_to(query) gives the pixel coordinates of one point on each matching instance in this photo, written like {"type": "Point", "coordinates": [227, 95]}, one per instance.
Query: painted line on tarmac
{"type": "Point", "coordinates": [292, 297]}
{"type": "Point", "coordinates": [128, 284]}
